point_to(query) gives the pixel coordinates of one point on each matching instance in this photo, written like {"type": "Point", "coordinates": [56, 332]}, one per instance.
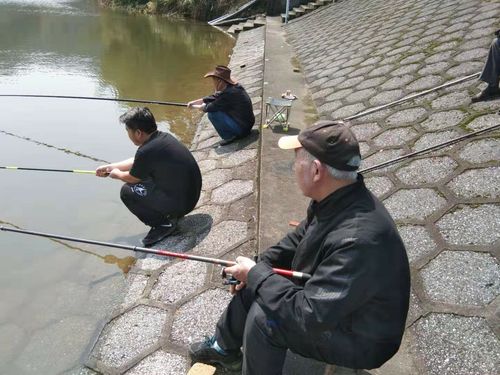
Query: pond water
{"type": "Point", "coordinates": [54, 295]}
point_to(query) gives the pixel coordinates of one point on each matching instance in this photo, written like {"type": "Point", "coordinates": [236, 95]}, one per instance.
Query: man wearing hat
{"type": "Point", "coordinates": [352, 311]}
{"type": "Point", "coordinates": [229, 108]}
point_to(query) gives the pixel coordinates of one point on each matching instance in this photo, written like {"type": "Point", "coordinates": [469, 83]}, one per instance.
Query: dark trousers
{"type": "Point", "coordinates": [150, 204]}
{"type": "Point", "coordinates": [245, 324]}
{"type": "Point", "coordinates": [265, 341]}
{"type": "Point", "coordinates": [491, 70]}
{"type": "Point", "coordinates": [225, 125]}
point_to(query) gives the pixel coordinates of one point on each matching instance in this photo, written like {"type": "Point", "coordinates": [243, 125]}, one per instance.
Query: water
{"type": "Point", "coordinates": [54, 296]}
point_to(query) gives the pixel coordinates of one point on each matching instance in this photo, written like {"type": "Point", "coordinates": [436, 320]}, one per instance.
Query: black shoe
{"type": "Point", "coordinates": [204, 353]}
{"type": "Point", "coordinates": [225, 142]}
{"type": "Point", "coordinates": [158, 233]}
{"type": "Point", "coordinates": [489, 92]}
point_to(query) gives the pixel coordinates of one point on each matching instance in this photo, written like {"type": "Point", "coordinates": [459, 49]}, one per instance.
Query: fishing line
{"type": "Point", "coordinates": [39, 143]}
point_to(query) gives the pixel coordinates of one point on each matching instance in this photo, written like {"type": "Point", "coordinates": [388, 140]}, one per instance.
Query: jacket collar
{"type": "Point", "coordinates": [338, 200]}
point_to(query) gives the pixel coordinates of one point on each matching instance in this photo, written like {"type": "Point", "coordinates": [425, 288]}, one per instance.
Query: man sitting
{"type": "Point", "coordinates": [352, 311]}
{"type": "Point", "coordinates": [162, 181]}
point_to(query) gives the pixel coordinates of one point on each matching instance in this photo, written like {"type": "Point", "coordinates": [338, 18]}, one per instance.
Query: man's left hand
{"type": "Point", "coordinates": [116, 174]}
{"type": "Point", "coordinates": [241, 268]}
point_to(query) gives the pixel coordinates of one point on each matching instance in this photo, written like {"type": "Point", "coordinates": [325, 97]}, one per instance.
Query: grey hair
{"type": "Point", "coordinates": [333, 172]}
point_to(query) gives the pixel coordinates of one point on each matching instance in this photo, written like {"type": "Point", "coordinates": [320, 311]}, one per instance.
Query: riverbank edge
{"type": "Point", "coordinates": [151, 8]}
{"type": "Point", "coordinates": [160, 315]}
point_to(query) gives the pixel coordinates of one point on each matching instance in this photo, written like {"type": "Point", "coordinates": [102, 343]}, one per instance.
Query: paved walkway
{"type": "Point", "coordinates": [173, 303]}
{"type": "Point", "coordinates": [365, 53]}
{"type": "Point", "coordinates": [354, 55]}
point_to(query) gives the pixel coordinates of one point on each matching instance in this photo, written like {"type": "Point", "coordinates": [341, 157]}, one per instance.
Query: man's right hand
{"type": "Point", "coordinates": [233, 289]}
{"type": "Point", "coordinates": [103, 170]}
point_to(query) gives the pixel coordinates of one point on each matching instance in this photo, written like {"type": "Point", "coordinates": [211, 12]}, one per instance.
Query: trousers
{"type": "Point", "coordinates": [151, 205]}
{"type": "Point", "coordinates": [491, 70]}
{"type": "Point", "coordinates": [265, 340]}
{"type": "Point", "coordinates": [225, 125]}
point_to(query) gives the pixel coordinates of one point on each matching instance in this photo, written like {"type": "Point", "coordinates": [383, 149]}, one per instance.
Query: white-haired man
{"type": "Point", "coordinates": [352, 311]}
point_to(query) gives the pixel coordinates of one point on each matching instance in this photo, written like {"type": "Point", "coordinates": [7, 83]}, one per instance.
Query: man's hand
{"type": "Point", "coordinates": [195, 103]}
{"type": "Point", "coordinates": [233, 289]}
{"type": "Point", "coordinates": [116, 174]}
{"type": "Point", "coordinates": [240, 269]}
{"type": "Point", "coordinates": [103, 170]}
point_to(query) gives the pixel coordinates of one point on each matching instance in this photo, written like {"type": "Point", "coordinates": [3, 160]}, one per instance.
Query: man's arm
{"type": "Point", "coordinates": [343, 281]}
{"type": "Point", "coordinates": [124, 176]}
{"type": "Point", "coordinates": [105, 170]}
{"type": "Point", "coordinates": [119, 171]}
{"type": "Point", "coordinates": [281, 254]}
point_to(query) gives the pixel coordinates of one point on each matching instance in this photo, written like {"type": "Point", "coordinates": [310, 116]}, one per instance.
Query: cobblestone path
{"type": "Point", "coordinates": [360, 54]}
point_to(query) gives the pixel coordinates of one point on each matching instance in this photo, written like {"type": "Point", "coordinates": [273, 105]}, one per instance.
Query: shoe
{"type": "Point", "coordinates": [489, 92]}
{"type": "Point", "coordinates": [158, 233]}
{"type": "Point", "coordinates": [204, 352]}
{"type": "Point", "coordinates": [225, 142]}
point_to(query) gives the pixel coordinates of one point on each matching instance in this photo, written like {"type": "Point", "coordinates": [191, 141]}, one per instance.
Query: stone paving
{"type": "Point", "coordinates": [360, 54]}
{"type": "Point", "coordinates": [355, 55]}
{"type": "Point", "coordinates": [172, 303]}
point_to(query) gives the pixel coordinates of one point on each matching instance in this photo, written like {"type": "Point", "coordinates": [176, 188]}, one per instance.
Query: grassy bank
{"type": "Point", "coordinates": [196, 9]}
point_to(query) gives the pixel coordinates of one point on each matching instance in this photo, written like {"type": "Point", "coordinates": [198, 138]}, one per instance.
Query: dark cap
{"type": "Point", "coordinates": [332, 142]}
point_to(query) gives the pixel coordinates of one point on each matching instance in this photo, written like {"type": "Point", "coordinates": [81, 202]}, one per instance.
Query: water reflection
{"type": "Point", "coordinates": [128, 56]}
{"type": "Point", "coordinates": [176, 55]}
{"type": "Point", "coordinates": [124, 264]}
{"type": "Point", "coordinates": [50, 290]}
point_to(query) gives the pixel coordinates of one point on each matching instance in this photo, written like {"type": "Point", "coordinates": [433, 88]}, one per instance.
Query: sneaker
{"type": "Point", "coordinates": [205, 353]}
{"type": "Point", "coordinates": [489, 92]}
{"type": "Point", "coordinates": [158, 233]}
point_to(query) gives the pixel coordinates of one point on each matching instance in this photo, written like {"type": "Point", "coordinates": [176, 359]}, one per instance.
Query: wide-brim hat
{"type": "Point", "coordinates": [332, 142]}
{"type": "Point", "coordinates": [222, 72]}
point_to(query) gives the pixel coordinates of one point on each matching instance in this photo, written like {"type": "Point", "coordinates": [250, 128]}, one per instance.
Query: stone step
{"type": "Point", "coordinates": [306, 7]}
{"type": "Point", "coordinates": [323, 2]}
{"type": "Point", "coordinates": [299, 11]}
{"type": "Point", "coordinates": [247, 25]}
{"type": "Point", "coordinates": [313, 5]}
{"type": "Point", "coordinates": [260, 21]}
{"type": "Point", "coordinates": [235, 29]}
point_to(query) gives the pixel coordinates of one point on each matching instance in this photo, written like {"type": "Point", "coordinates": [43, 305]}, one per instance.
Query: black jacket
{"type": "Point", "coordinates": [355, 305]}
{"type": "Point", "coordinates": [234, 101]}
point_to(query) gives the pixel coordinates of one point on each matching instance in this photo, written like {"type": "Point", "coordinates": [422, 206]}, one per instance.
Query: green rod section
{"type": "Point", "coordinates": [81, 171]}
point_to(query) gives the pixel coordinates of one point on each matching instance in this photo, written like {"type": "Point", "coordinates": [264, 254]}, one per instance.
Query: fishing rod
{"type": "Point", "coordinates": [48, 170]}
{"type": "Point", "coordinates": [94, 98]}
{"type": "Point", "coordinates": [222, 262]}
{"type": "Point", "coordinates": [413, 96]}
{"type": "Point", "coordinates": [431, 148]}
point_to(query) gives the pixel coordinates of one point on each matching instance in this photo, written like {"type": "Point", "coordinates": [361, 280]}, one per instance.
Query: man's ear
{"type": "Point", "coordinates": [318, 170]}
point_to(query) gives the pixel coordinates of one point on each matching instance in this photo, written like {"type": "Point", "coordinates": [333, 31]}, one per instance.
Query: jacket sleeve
{"type": "Point", "coordinates": [220, 101]}
{"type": "Point", "coordinates": [281, 254]}
{"type": "Point", "coordinates": [342, 282]}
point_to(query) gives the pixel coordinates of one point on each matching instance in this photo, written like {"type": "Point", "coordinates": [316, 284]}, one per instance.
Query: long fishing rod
{"type": "Point", "coordinates": [95, 98]}
{"type": "Point", "coordinates": [199, 258]}
{"type": "Point", "coordinates": [413, 96]}
{"type": "Point", "coordinates": [48, 170]}
{"type": "Point", "coordinates": [430, 149]}
{"type": "Point", "coordinates": [366, 170]}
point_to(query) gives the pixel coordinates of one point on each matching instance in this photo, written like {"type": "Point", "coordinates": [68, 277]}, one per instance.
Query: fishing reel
{"type": "Point", "coordinates": [228, 279]}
